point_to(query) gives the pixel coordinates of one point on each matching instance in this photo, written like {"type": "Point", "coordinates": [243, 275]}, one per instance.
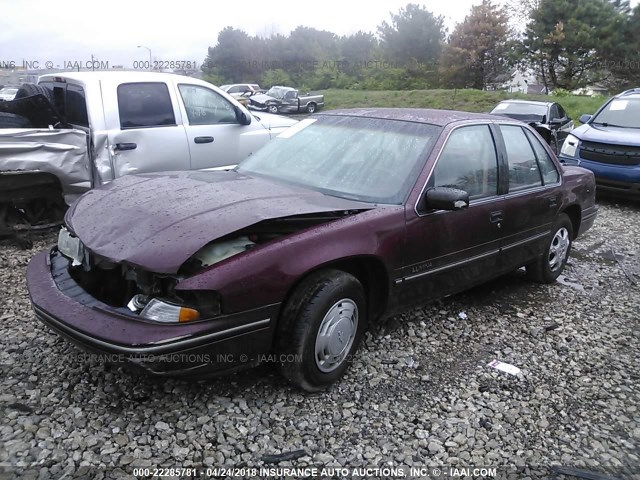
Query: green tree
{"type": "Point", "coordinates": [415, 35]}
{"type": "Point", "coordinates": [478, 53]}
{"type": "Point", "coordinates": [566, 39]}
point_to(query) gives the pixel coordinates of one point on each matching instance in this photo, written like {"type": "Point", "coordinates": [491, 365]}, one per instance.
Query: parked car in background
{"type": "Point", "coordinates": [75, 131]}
{"type": "Point", "coordinates": [344, 218]}
{"type": "Point", "coordinates": [286, 100]}
{"type": "Point", "coordinates": [8, 93]}
{"type": "Point", "coordinates": [241, 91]}
{"type": "Point", "coordinates": [548, 118]}
{"type": "Point", "coordinates": [608, 144]}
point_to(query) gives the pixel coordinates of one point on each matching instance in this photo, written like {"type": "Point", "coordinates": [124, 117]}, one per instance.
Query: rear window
{"type": "Point", "coordinates": [145, 105]}
{"type": "Point", "coordinates": [76, 106]}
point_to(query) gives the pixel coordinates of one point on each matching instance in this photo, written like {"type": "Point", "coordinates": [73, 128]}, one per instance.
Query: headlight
{"type": "Point", "coordinates": [166, 312]}
{"type": "Point", "coordinates": [570, 146]}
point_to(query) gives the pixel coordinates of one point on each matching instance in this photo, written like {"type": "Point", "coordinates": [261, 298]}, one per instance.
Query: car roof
{"type": "Point", "coordinates": [121, 76]}
{"type": "Point", "coordinates": [418, 115]}
{"type": "Point", "coordinates": [530, 102]}
{"type": "Point", "coordinates": [632, 93]}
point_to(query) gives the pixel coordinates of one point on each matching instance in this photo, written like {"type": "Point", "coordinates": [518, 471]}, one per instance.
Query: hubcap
{"type": "Point", "coordinates": [336, 334]}
{"type": "Point", "coordinates": [559, 249]}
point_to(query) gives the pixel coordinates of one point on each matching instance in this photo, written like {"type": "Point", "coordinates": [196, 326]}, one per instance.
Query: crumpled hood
{"type": "Point", "coordinates": [614, 135]}
{"type": "Point", "coordinates": [158, 221]}
{"type": "Point", "coordinates": [262, 99]}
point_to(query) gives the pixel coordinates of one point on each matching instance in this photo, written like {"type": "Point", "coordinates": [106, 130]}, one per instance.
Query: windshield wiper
{"type": "Point", "coordinates": [605, 124]}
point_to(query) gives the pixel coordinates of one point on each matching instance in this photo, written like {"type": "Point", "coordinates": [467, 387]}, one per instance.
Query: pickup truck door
{"type": "Point", "coordinates": [533, 200]}
{"type": "Point", "coordinates": [449, 251]}
{"type": "Point", "coordinates": [145, 131]}
{"type": "Point", "coordinates": [215, 136]}
{"type": "Point", "coordinates": [290, 101]}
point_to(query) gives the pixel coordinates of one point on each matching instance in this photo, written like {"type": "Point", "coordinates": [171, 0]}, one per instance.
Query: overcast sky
{"type": "Point", "coordinates": [74, 30]}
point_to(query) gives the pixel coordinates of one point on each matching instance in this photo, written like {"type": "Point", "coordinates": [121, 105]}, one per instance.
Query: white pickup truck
{"type": "Point", "coordinates": [88, 128]}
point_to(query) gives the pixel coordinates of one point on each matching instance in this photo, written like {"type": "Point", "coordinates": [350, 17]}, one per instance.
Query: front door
{"type": "Point", "coordinates": [448, 251]}
{"type": "Point", "coordinates": [216, 138]}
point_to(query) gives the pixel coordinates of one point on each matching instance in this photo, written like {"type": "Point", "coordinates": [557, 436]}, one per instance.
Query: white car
{"type": "Point", "coordinates": [241, 91]}
{"type": "Point", "coordinates": [8, 93]}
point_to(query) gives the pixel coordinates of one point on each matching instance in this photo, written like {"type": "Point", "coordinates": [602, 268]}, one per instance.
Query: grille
{"type": "Point", "coordinates": [606, 153]}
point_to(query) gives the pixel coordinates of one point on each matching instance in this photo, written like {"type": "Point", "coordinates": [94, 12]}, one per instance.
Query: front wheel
{"type": "Point", "coordinates": [272, 108]}
{"type": "Point", "coordinates": [548, 267]}
{"type": "Point", "coordinates": [321, 328]}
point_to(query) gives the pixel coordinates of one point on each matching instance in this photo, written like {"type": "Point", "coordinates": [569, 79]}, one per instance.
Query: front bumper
{"type": "Point", "coordinates": [199, 349]}
{"type": "Point", "coordinates": [611, 178]}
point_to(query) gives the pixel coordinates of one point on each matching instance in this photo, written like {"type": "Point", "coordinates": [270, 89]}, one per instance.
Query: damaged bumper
{"type": "Point", "coordinates": [199, 349]}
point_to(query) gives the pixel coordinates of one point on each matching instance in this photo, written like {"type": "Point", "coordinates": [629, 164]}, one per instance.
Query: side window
{"type": "Point", "coordinates": [523, 168]}
{"type": "Point", "coordinates": [468, 162]}
{"type": "Point", "coordinates": [145, 105]}
{"type": "Point", "coordinates": [235, 89]}
{"type": "Point", "coordinates": [547, 167]}
{"type": "Point", "coordinates": [206, 107]}
{"type": "Point", "coordinates": [76, 106]}
{"type": "Point", "coordinates": [554, 113]}
{"type": "Point", "coordinates": [290, 96]}
{"type": "Point", "coordinates": [561, 112]}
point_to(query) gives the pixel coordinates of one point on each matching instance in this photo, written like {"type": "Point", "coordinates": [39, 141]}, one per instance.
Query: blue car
{"type": "Point", "coordinates": [608, 144]}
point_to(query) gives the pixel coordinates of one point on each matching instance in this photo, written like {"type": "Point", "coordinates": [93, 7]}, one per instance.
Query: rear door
{"type": "Point", "coordinates": [533, 198]}
{"type": "Point", "coordinates": [448, 251]}
{"type": "Point", "coordinates": [145, 130]}
{"type": "Point", "coordinates": [216, 138]}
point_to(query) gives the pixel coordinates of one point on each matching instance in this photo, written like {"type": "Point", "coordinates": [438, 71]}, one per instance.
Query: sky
{"type": "Point", "coordinates": [35, 31]}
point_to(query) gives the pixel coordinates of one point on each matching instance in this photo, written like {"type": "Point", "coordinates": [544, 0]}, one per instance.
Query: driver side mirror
{"type": "Point", "coordinates": [242, 116]}
{"type": "Point", "coordinates": [445, 198]}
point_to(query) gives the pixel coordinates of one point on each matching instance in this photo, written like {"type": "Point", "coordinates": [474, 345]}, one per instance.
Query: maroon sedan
{"type": "Point", "coordinates": [346, 217]}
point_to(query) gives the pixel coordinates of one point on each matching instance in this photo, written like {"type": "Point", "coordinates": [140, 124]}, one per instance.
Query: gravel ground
{"type": "Point", "coordinates": [420, 392]}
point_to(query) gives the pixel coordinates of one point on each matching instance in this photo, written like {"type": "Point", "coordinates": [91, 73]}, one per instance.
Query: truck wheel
{"type": "Point", "coordinates": [31, 89]}
{"type": "Point", "coordinates": [548, 267]}
{"type": "Point", "coordinates": [320, 329]}
{"type": "Point", "coordinates": [11, 120]}
{"type": "Point", "coordinates": [311, 107]}
{"type": "Point", "coordinates": [272, 109]}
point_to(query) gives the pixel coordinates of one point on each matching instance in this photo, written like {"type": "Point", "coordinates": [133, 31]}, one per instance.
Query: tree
{"type": "Point", "coordinates": [415, 35]}
{"type": "Point", "coordinates": [622, 59]}
{"type": "Point", "coordinates": [478, 52]}
{"type": "Point", "coordinates": [233, 58]}
{"type": "Point", "coordinates": [566, 39]}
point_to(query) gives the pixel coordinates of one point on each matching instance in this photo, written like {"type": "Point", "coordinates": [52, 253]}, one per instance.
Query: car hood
{"type": "Point", "coordinates": [614, 135]}
{"type": "Point", "coordinates": [158, 221]}
{"type": "Point", "coordinates": [262, 98]}
{"type": "Point", "coordinates": [269, 120]}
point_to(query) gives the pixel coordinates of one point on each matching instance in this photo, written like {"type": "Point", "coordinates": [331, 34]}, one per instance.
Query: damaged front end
{"type": "Point", "coordinates": [150, 296]}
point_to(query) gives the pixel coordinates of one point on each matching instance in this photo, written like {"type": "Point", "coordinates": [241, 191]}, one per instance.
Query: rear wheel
{"type": "Point", "coordinates": [320, 329]}
{"type": "Point", "coordinates": [550, 265]}
{"type": "Point", "coordinates": [311, 107]}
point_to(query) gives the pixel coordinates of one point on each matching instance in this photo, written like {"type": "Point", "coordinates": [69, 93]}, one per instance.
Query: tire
{"type": "Point", "coordinates": [552, 262]}
{"type": "Point", "coordinates": [320, 329]}
{"type": "Point", "coordinates": [11, 120]}
{"type": "Point", "coordinates": [272, 109]}
{"type": "Point", "coordinates": [311, 107]}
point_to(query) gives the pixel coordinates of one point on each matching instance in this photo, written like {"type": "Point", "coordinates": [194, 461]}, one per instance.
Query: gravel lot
{"type": "Point", "coordinates": [420, 392]}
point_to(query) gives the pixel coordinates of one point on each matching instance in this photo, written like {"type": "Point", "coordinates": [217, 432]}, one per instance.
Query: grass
{"type": "Point", "coordinates": [466, 100]}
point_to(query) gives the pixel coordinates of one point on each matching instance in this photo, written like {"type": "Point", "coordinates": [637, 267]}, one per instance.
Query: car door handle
{"type": "Point", "coordinates": [553, 201]}
{"type": "Point", "coordinates": [126, 146]}
{"type": "Point", "coordinates": [496, 216]}
{"type": "Point", "coordinates": [203, 139]}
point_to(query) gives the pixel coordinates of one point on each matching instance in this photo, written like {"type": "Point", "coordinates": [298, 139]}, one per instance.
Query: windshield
{"type": "Point", "coordinates": [620, 113]}
{"type": "Point", "coordinates": [277, 92]}
{"type": "Point", "coordinates": [366, 159]}
{"type": "Point", "coordinates": [520, 108]}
